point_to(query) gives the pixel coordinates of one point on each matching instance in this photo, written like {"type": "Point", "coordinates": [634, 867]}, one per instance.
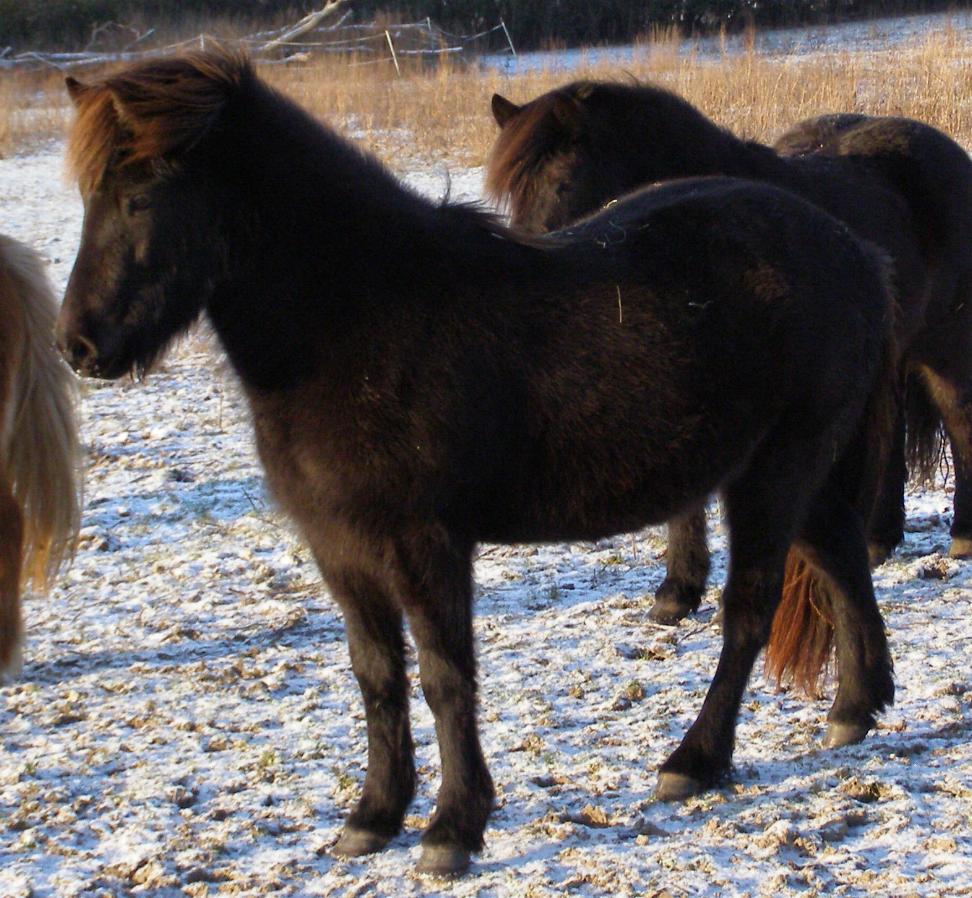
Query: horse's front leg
{"type": "Point", "coordinates": [703, 758]}
{"type": "Point", "coordinates": [374, 629]}
{"type": "Point", "coordinates": [437, 594]}
{"type": "Point", "coordinates": [885, 524]}
{"type": "Point", "coordinates": [686, 568]}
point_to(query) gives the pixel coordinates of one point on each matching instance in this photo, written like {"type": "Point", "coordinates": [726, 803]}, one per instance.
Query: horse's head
{"type": "Point", "coordinates": [539, 166]}
{"type": "Point", "coordinates": [150, 240]}
{"type": "Point", "coordinates": [567, 153]}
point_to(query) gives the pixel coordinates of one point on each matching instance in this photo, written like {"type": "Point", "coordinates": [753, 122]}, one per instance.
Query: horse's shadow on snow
{"type": "Point", "coordinates": [309, 629]}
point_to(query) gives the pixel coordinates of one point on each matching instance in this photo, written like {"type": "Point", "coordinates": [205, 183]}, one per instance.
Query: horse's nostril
{"type": "Point", "coordinates": [81, 353]}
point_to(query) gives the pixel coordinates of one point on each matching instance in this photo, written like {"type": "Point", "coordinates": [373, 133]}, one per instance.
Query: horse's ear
{"type": "Point", "coordinates": [503, 110]}
{"type": "Point", "coordinates": [567, 111]}
{"type": "Point", "coordinates": [75, 89]}
{"type": "Point", "coordinates": [121, 110]}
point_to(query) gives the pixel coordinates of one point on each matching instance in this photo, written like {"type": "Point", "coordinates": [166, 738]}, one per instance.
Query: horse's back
{"type": "Point", "coordinates": [926, 167]}
{"type": "Point", "coordinates": [698, 314]}
{"type": "Point", "coordinates": [926, 219]}
{"type": "Point", "coordinates": [754, 246]}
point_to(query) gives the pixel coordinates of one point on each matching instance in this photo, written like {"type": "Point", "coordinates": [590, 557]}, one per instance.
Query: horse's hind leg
{"type": "Point", "coordinates": [953, 395]}
{"type": "Point", "coordinates": [760, 529]}
{"type": "Point", "coordinates": [764, 508]}
{"type": "Point", "coordinates": [687, 567]}
{"type": "Point", "coordinates": [437, 594]}
{"type": "Point", "coordinates": [11, 549]}
{"type": "Point", "coordinates": [833, 540]}
{"type": "Point", "coordinates": [374, 630]}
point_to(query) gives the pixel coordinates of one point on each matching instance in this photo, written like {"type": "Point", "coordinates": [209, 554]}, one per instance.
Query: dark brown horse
{"type": "Point", "coordinates": [897, 182]}
{"type": "Point", "coordinates": [422, 379]}
{"type": "Point", "coordinates": [39, 505]}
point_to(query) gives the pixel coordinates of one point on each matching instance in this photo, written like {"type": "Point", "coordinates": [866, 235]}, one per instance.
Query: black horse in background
{"type": "Point", "coordinates": [422, 379]}
{"type": "Point", "coordinates": [898, 183]}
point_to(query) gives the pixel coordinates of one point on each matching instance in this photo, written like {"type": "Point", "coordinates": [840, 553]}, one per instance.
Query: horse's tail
{"type": "Point", "coordinates": [40, 436]}
{"type": "Point", "coordinates": [926, 438]}
{"type": "Point", "coordinates": [801, 638]}
{"type": "Point", "coordinates": [802, 635]}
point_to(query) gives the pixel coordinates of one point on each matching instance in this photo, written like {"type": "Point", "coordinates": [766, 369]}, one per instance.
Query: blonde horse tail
{"type": "Point", "coordinates": [40, 438]}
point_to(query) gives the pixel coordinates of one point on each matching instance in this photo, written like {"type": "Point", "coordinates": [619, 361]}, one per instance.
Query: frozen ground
{"type": "Point", "coordinates": [187, 722]}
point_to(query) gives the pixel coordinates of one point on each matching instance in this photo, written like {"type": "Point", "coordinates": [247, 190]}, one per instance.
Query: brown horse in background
{"type": "Point", "coordinates": [39, 502]}
{"type": "Point", "coordinates": [422, 379]}
{"type": "Point", "coordinates": [899, 183]}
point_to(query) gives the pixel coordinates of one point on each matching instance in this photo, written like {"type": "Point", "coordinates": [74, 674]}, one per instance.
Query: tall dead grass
{"type": "Point", "coordinates": [440, 113]}
{"type": "Point", "coordinates": [443, 113]}
{"type": "Point", "coordinates": [33, 108]}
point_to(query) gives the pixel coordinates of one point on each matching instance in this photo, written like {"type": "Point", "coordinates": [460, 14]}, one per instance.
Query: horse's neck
{"type": "Point", "coordinates": [327, 244]}
{"type": "Point", "coordinates": [343, 199]}
{"type": "Point", "coordinates": [701, 147]}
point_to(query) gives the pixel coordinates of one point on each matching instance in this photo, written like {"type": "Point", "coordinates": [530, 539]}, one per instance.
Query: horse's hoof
{"type": "Point", "coordinates": [840, 734]}
{"type": "Point", "coordinates": [676, 786]}
{"type": "Point", "coordinates": [668, 612]}
{"type": "Point", "coordinates": [355, 842]}
{"type": "Point", "coordinates": [446, 861]}
{"type": "Point", "coordinates": [961, 547]}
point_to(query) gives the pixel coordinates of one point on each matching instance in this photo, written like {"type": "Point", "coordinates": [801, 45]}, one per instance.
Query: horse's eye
{"type": "Point", "coordinates": [138, 203]}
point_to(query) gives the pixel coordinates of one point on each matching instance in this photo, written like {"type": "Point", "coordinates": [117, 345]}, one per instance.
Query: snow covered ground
{"type": "Point", "coordinates": [187, 722]}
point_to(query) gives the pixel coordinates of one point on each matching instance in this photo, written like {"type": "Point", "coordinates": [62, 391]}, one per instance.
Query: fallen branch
{"type": "Point", "coordinates": [308, 23]}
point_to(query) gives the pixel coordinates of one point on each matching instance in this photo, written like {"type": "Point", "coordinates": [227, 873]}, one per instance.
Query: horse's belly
{"type": "Point", "coordinates": [591, 495]}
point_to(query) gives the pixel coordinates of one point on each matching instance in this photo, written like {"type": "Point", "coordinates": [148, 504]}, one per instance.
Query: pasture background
{"type": "Point", "coordinates": [438, 113]}
{"type": "Point", "coordinates": [188, 724]}
{"type": "Point", "coordinates": [69, 23]}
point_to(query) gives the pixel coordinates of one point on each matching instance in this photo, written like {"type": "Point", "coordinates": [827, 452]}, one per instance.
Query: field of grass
{"type": "Point", "coordinates": [440, 114]}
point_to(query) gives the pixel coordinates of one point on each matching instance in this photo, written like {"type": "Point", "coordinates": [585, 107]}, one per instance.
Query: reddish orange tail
{"type": "Point", "coordinates": [802, 636]}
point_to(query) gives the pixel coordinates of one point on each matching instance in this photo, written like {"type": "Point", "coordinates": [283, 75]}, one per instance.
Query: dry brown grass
{"type": "Point", "coordinates": [33, 108]}
{"type": "Point", "coordinates": [441, 113]}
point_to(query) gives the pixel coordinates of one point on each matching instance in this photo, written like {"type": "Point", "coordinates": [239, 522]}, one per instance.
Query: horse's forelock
{"type": "Point", "coordinates": [93, 139]}
{"type": "Point", "coordinates": [152, 110]}
{"type": "Point", "coordinates": [528, 138]}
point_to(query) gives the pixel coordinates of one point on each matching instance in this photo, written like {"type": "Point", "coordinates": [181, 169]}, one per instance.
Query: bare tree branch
{"type": "Point", "coordinates": [309, 22]}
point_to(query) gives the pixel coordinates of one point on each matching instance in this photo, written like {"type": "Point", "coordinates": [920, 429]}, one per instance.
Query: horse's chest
{"type": "Point", "coordinates": [317, 472]}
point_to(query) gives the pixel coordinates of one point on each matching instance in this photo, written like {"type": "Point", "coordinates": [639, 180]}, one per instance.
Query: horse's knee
{"type": "Point", "coordinates": [446, 690]}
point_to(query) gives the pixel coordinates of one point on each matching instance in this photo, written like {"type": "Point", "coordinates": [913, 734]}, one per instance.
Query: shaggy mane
{"type": "Point", "coordinates": [150, 111]}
